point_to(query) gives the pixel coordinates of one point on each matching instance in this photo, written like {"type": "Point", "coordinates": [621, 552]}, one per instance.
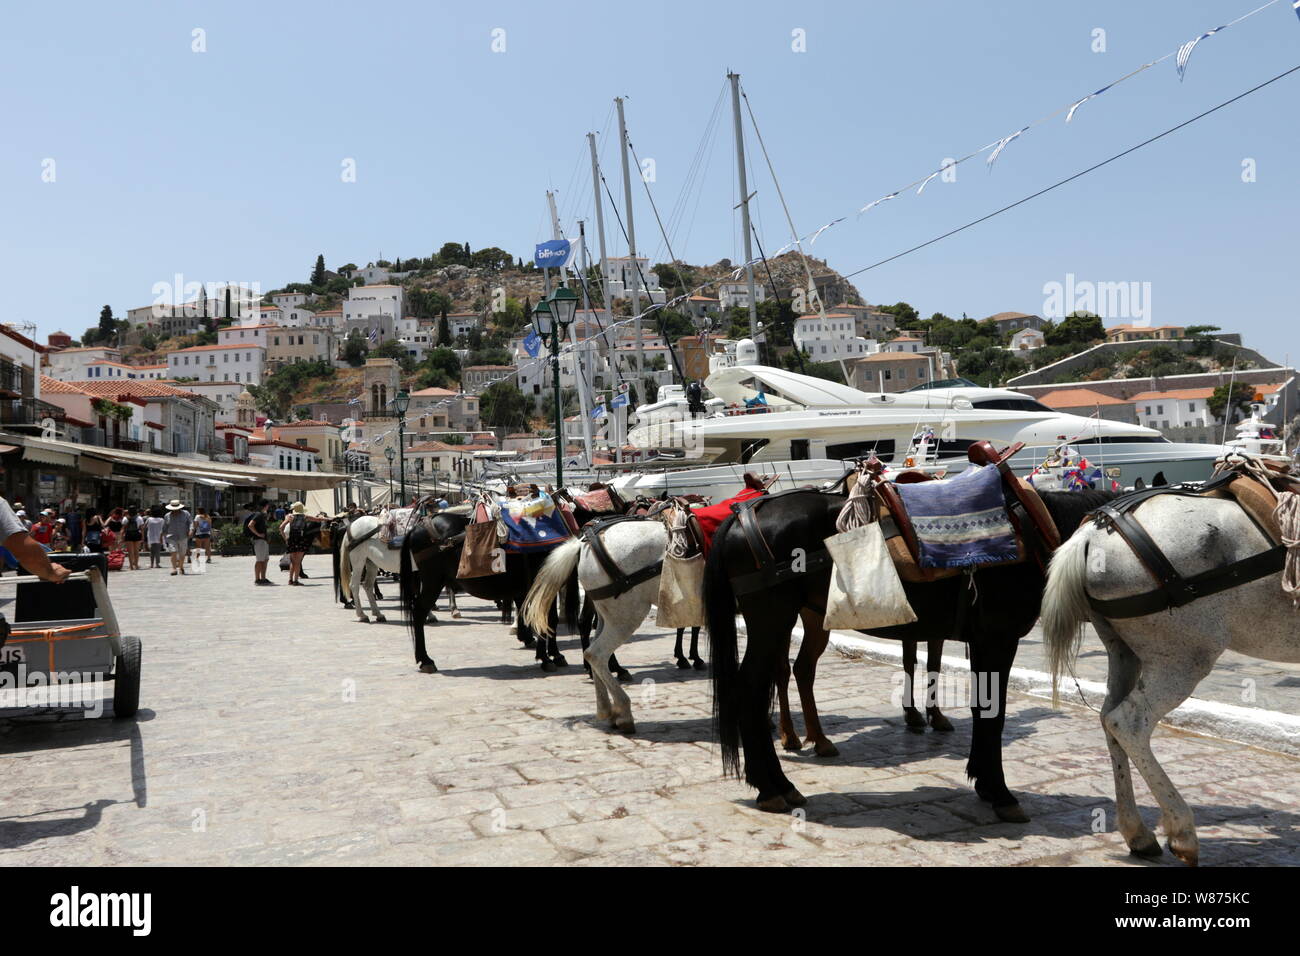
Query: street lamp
{"type": "Point", "coordinates": [552, 318]}
{"type": "Point", "coordinates": [401, 402]}
{"type": "Point", "coordinates": [390, 455]}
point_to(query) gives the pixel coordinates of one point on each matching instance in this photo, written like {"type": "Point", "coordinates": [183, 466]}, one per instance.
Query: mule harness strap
{"type": "Point", "coordinates": [621, 583]}
{"type": "Point", "coordinates": [770, 573]}
{"type": "Point", "coordinates": [364, 538]}
{"type": "Point", "coordinates": [1174, 590]}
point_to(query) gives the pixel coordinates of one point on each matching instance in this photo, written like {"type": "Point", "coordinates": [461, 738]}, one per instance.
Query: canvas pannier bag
{"type": "Point", "coordinates": [865, 591]}
{"type": "Point", "coordinates": [681, 592]}
{"type": "Point", "coordinates": [480, 546]}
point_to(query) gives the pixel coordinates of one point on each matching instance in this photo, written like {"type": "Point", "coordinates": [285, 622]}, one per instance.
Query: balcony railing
{"type": "Point", "coordinates": [15, 381]}
{"type": "Point", "coordinates": [97, 436]}
{"type": "Point", "coordinates": [28, 411]}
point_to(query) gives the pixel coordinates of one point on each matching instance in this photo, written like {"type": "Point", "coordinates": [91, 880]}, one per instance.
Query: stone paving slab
{"type": "Point", "coordinates": [275, 729]}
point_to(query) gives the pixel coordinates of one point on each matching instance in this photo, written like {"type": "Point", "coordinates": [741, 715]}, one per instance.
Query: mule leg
{"type": "Point", "coordinates": [612, 631]}
{"type": "Point", "coordinates": [933, 670]}
{"type": "Point", "coordinates": [785, 727]}
{"type": "Point", "coordinates": [991, 657]}
{"type": "Point", "coordinates": [374, 592]}
{"type": "Point", "coordinates": [619, 671]}
{"type": "Point", "coordinates": [767, 645]}
{"type": "Point", "coordinates": [696, 661]}
{"type": "Point", "coordinates": [451, 603]}
{"type": "Point", "coordinates": [552, 642]}
{"type": "Point", "coordinates": [815, 639]}
{"type": "Point", "coordinates": [423, 607]}
{"type": "Point", "coordinates": [682, 662]}
{"type": "Point", "coordinates": [359, 582]}
{"type": "Point", "coordinates": [1121, 677]}
{"type": "Point", "coordinates": [911, 716]}
{"type": "Point", "coordinates": [1161, 689]}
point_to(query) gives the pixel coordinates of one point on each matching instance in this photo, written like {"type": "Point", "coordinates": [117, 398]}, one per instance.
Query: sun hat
{"type": "Point", "coordinates": [21, 512]}
{"type": "Point", "coordinates": [298, 507]}
{"type": "Point", "coordinates": [174, 505]}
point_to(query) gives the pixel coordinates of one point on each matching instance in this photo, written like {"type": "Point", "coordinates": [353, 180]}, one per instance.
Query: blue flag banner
{"type": "Point", "coordinates": [532, 344]}
{"type": "Point", "coordinates": [598, 412]}
{"type": "Point", "coordinates": [620, 400]}
{"type": "Point", "coordinates": [1295, 5]}
{"type": "Point", "coordinates": [553, 254]}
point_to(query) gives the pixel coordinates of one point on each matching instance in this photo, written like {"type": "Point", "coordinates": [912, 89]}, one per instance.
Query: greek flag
{"type": "Point", "coordinates": [1070, 115]}
{"type": "Point", "coordinates": [1295, 5]}
{"type": "Point", "coordinates": [532, 344]}
{"type": "Point", "coordinates": [1003, 143]}
{"type": "Point", "coordinates": [374, 334]}
{"type": "Point", "coordinates": [1185, 51]}
{"type": "Point", "coordinates": [598, 412]}
{"type": "Point", "coordinates": [877, 202]}
{"type": "Point", "coordinates": [620, 400]}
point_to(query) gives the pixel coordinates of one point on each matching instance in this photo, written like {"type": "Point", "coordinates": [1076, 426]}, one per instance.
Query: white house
{"type": "Point", "coordinates": [831, 339]}
{"type": "Point", "coordinates": [69, 365]}
{"type": "Point", "coordinates": [622, 275]}
{"type": "Point", "coordinates": [218, 363]}
{"type": "Point", "coordinates": [224, 394]}
{"type": "Point", "coordinates": [245, 334]}
{"type": "Point", "coordinates": [1026, 340]}
{"type": "Point", "coordinates": [737, 293]}
{"type": "Point", "coordinates": [95, 371]}
{"type": "Point", "coordinates": [374, 307]}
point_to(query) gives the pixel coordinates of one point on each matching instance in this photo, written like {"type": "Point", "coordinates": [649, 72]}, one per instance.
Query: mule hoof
{"type": "Point", "coordinates": [364, 620]}
{"type": "Point", "coordinates": [795, 798]}
{"type": "Point", "coordinates": [548, 666]}
{"type": "Point", "coordinates": [914, 719]}
{"type": "Point", "coordinates": [1189, 855]}
{"type": "Point", "coordinates": [824, 748]}
{"type": "Point", "coordinates": [1011, 813]}
{"type": "Point", "coordinates": [530, 643]}
{"type": "Point", "coordinates": [1147, 847]}
{"type": "Point", "coordinates": [792, 744]}
{"type": "Point", "coordinates": [560, 661]}
{"type": "Point", "coordinates": [683, 664]}
{"type": "Point", "coordinates": [455, 615]}
{"type": "Point", "coordinates": [701, 665]}
{"type": "Point", "coordinates": [775, 804]}
{"type": "Point", "coordinates": [624, 677]}
{"type": "Point", "coordinates": [939, 721]}
{"type": "Point", "coordinates": [627, 726]}
{"type": "Point", "coordinates": [380, 618]}
{"type": "Point", "coordinates": [429, 668]}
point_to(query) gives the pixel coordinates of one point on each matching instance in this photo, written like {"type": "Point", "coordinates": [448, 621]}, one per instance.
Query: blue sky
{"type": "Point", "coordinates": [225, 165]}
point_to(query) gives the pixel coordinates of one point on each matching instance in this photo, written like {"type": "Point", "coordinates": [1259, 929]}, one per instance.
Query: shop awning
{"type": "Point", "coordinates": [55, 452]}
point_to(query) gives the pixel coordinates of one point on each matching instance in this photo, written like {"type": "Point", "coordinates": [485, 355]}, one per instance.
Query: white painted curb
{"type": "Point", "coordinates": [1266, 729]}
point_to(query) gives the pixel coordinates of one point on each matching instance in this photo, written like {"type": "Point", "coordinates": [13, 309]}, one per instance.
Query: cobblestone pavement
{"type": "Point", "coordinates": [275, 729]}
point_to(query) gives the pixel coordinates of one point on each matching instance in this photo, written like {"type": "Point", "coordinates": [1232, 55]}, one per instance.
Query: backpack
{"type": "Point", "coordinates": [298, 526]}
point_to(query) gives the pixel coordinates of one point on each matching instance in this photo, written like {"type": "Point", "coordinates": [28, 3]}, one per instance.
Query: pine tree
{"type": "Point", "coordinates": [467, 253]}
{"type": "Point", "coordinates": [106, 324]}
{"type": "Point", "coordinates": [318, 273]}
{"type": "Point", "coordinates": [444, 330]}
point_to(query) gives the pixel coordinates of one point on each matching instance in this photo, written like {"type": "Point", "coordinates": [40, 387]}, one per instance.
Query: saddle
{"type": "Point", "coordinates": [1034, 531]}
{"type": "Point", "coordinates": [620, 582]}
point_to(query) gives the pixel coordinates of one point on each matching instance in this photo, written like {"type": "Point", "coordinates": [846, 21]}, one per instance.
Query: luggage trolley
{"type": "Point", "coordinates": [89, 645]}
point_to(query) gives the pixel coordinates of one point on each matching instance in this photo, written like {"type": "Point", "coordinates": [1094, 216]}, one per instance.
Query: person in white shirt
{"type": "Point", "coordinates": [153, 535]}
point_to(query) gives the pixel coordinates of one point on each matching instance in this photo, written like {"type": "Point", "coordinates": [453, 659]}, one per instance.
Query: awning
{"type": "Point", "coordinates": [48, 456]}
{"type": "Point", "coordinates": [201, 467]}
{"type": "Point", "coordinates": [96, 466]}
{"type": "Point", "coordinates": [211, 482]}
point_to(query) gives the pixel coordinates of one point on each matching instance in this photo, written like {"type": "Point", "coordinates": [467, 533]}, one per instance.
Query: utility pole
{"type": "Point", "coordinates": [744, 202]}
{"type": "Point", "coordinates": [631, 241]}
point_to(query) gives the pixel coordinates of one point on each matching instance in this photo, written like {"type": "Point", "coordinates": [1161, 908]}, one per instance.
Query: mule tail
{"type": "Point", "coordinates": [1065, 606]}
{"type": "Point", "coordinates": [345, 566]}
{"type": "Point", "coordinates": [550, 580]}
{"type": "Point", "coordinates": [724, 659]}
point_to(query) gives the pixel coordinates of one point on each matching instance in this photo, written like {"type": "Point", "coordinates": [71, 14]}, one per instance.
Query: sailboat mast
{"type": "Point", "coordinates": [579, 349]}
{"type": "Point", "coordinates": [604, 269]}
{"type": "Point", "coordinates": [631, 242]}
{"type": "Point", "coordinates": [744, 202]}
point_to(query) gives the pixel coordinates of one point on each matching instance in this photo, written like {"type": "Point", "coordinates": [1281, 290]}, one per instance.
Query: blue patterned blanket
{"type": "Point", "coordinates": [961, 522]}
{"type": "Point", "coordinates": [534, 534]}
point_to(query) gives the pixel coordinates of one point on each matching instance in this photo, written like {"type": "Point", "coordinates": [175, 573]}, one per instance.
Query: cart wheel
{"type": "Point", "coordinates": [126, 679]}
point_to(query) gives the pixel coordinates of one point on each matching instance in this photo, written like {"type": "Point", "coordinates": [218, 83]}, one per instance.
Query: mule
{"type": "Point", "coordinates": [438, 544]}
{"type": "Point", "coordinates": [1156, 660]}
{"type": "Point", "coordinates": [361, 557]}
{"type": "Point", "coordinates": [990, 609]}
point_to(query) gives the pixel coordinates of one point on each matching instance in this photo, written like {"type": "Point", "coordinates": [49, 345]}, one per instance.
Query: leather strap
{"type": "Point", "coordinates": [1197, 586]}
{"type": "Point", "coordinates": [620, 583]}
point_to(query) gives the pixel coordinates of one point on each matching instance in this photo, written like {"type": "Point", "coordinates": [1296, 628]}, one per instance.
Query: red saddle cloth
{"type": "Point", "coordinates": [711, 516]}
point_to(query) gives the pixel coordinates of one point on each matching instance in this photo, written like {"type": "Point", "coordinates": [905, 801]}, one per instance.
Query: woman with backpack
{"type": "Point", "coordinates": [94, 537]}
{"type": "Point", "coordinates": [133, 535]}
{"type": "Point", "coordinates": [203, 533]}
{"type": "Point", "coordinates": [298, 533]}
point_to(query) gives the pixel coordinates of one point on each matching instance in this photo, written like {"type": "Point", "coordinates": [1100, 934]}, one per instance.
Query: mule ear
{"type": "Point", "coordinates": [1159, 479]}
{"type": "Point", "coordinates": [1139, 485]}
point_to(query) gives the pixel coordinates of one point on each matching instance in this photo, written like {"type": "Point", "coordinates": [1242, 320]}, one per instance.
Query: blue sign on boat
{"type": "Point", "coordinates": [553, 254]}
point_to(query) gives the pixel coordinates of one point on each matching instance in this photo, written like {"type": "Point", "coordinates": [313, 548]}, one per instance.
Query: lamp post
{"type": "Point", "coordinates": [419, 475]}
{"type": "Point", "coordinates": [401, 402]}
{"type": "Point", "coordinates": [552, 318]}
{"type": "Point", "coordinates": [390, 455]}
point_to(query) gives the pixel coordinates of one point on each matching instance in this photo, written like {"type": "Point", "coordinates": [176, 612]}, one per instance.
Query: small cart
{"type": "Point", "coordinates": [84, 642]}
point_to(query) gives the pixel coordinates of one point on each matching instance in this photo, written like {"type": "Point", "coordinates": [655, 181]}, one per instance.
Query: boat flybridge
{"type": "Point", "coordinates": [804, 429]}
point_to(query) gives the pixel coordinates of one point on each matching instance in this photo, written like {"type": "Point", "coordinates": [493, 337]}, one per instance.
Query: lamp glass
{"type": "Point", "coordinates": [389, 453]}
{"type": "Point", "coordinates": [564, 305]}
{"type": "Point", "coordinates": [542, 318]}
{"type": "Point", "coordinates": [402, 401]}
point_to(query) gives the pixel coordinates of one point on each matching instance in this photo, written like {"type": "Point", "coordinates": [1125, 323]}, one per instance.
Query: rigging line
{"type": "Point", "coordinates": [779, 304]}
{"type": "Point", "coordinates": [1070, 179]}
{"type": "Point", "coordinates": [683, 198]}
{"type": "Point", "coordinates": [655, 209]}
{"type": "Point", "coordinates": [672, 353]}
{"type": "Point", "coordinates": [794, 233]}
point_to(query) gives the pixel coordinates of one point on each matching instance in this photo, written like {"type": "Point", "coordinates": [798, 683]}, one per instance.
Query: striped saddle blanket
{"type": "Point", "coordinates": [961, 522]}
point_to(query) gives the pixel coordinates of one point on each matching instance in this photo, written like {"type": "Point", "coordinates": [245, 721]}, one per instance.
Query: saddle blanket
{"type": "Point", "coordinates": [711, 516]}
{"type": "Point", "coordinates": [533, 525]}
{"type": "Point", "coordinates": [395, 525]}
{"type": "Point", "coordinates": [961, 522]}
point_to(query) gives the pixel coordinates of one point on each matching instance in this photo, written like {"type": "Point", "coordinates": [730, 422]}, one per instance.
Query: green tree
{"type": "Point", "coordinates": [1077, 328]}
{"type": "Point", "coordinates": [318, 272]}
{"type": "Point", "coordinates": [355, 349]}
{"type": "Point", "coordinates": [502, 405]}
{"type": "Point", "coordinates": [444, 360]}
{"type": "Point", "coordinates": [1233, 402]}
{"type": "Point", "coordinates": [444, 330]}
{"type": "Point", "coordinates": [491, 258]}
{"type": "Point", "coordinates": [452, 253]}
{"type": "Point", "coordinates": [107, 326]}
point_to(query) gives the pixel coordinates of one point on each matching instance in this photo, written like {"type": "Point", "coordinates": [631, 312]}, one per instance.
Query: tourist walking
{"type": "Point", "coordinates": [94, 530]}
{"type": "Point", "coordinates": [133, 535]}
{"type": "Point", "coordinates": [153, 534]}
{"type": "Point", "coordinates": [203, 533]}
{"type": "Point", "coordinates": [177, 533]}
{"type": "Point", "coordinates": [255, 528]}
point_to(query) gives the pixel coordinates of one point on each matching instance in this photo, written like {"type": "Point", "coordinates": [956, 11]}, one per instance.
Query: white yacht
{"type": "Point", "coordinates": [803, 430]}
